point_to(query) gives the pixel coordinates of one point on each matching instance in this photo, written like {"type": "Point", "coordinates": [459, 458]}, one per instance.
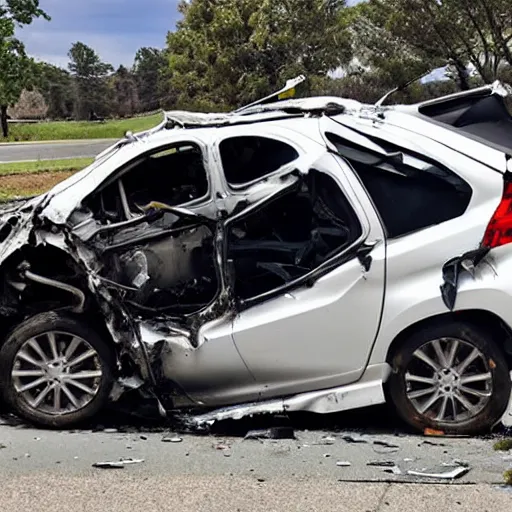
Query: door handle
{"type": "Point", "coordinates": [363, 254]}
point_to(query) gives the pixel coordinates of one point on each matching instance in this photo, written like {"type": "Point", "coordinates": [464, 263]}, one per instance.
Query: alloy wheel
{"type": "Point", "coordinates": [57, 372]}
{"type": "Point", "coordinates": [449, 380]}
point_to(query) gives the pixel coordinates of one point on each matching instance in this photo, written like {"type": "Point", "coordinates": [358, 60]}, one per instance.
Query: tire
{"type": "Point", "coordinates": [406, 393]}
{"type": "Point", "coordinates": [54, 333]}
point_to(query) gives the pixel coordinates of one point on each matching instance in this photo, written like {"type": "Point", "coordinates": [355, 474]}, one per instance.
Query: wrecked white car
{"type": "Point", "coordinates": [298, 255]}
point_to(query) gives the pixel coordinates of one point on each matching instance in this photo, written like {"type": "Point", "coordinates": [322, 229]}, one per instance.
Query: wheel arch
{"type": "Point", "coordinates": [46, 260]}
{"type": "Point", "coordinates": [481, 318]}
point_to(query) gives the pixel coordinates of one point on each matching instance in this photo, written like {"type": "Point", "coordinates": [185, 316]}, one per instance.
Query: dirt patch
{"type": "Point", "coordinates": [31, 184]}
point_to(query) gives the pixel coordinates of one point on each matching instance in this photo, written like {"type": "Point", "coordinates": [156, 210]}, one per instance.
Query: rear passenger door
{"type": "Point", "coordinates": [308, 264]}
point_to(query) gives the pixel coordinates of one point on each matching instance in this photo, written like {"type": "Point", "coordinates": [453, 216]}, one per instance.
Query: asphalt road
{"type": "Point", "coordinates": [20, 152]}
{"type": "Point", "coordinates": [52, 470]}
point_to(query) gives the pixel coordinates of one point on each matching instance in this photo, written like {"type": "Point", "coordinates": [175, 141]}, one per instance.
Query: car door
{"type": "Point", "coordinates": [310, 290]}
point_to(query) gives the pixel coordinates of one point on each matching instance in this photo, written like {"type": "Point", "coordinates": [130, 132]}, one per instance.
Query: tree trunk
{"type": "Point", "coordinates": [462, 75]}
{"type": "Point", "coordinates": [3, 120]}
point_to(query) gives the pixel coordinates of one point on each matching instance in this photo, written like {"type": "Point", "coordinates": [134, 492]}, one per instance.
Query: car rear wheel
{"type": "Point", "coordinates": [55, 371]}
{"type": "Point", "coordinates": [453, 378]}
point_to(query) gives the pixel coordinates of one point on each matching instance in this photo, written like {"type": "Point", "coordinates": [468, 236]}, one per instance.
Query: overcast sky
{"type": "Point", "coordinates": [116, 29]}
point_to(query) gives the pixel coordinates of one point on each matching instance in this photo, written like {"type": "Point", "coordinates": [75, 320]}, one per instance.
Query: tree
{"type": "Point", "coordinates": [14, 65]}
{"type": "Point", "coordinates": [126, 99]}
{"type": "Point", "coordinates": [56, 86]}
{"type": "Point", "coordinates": [226, 53]}
{"type": "Point", "coordinates": [149, 68]}
{"type": "Point", "coordinates": [90, 74]}
{"type": "Point", "coordinates": [457, 32]}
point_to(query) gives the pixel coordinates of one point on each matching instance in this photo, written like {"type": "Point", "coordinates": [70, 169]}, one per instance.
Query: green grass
{"type": "Point", "coordinates": [39, 166]}
{"type": "Point", "coordinates": [503, 445]}
{"type": "Point", "coordinates": [65, 130]}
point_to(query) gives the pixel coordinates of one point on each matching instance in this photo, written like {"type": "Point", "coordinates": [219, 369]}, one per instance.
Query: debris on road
{"type": "Point", "coordinates": [221, 446]}
{"type": "Point", "coordinates": [457, 472]}
{"type": "Point", "coordinates": [343, 463]}
{"type": "Point", "coordinates": [2, 446]}
{"type": "Point", "coordinates": [353, 439]}
{"type": "Point", "coordinates": [433, 432]}
{"type": "Point", "coordinates": [381, 463]}
{"type": "Point", "coordinates": [431, 443]}
{"type": "Point", "coordinates": [386, 444]}
{"type": "Point", "coordinates": [326, 441]}
{"type": "Point", "coordinates": [395, 470]}
{"type": "Point", "coordinates": [172, 439]}
{"type": "Point", "coordinates": [108, 465]}
{"type": "Point", "coordinates": [386, 447]}
{"type": "Point", "coordinates": [271, 433]}
{"type": "Point", "coordinates": [120, 464]}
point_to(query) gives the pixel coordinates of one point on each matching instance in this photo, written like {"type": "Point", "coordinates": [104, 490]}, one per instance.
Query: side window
{"type": "Point", "coordinates": [173, 176]}
{"type": "Point", "coordinates": [290, 236]}
{"type": "Point", "coordinates": [249, 158]}
{"type": "Point", "coordinates": [408, 192]}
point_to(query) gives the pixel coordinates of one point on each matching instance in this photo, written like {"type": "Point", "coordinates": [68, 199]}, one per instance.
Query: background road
{"type": "Point", "coordinates": [52, 150]}
{"type": "Point", "coordinates": [51, 470]}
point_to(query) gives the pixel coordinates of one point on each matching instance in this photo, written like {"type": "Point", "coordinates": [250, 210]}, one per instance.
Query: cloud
{"type": "Point", "coordinates": [116, 29]}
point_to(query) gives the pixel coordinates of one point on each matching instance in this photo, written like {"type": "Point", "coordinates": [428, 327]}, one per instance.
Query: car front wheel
{"type": "Point", "coordinates": [453, 378]}
{"type": "Point", "coordinates": [55, 371]}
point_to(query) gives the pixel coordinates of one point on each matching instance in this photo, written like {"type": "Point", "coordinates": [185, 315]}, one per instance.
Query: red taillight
{"type": "Point", "coordinates": [499, 229]}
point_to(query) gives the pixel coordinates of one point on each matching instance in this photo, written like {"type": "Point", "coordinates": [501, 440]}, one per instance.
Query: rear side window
{"type": "Point", "coordinates": [409, 193]}
{"type": "Point", "coordinates": [249, 158]}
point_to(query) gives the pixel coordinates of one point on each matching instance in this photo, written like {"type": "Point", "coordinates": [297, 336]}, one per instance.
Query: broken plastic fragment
{"type": "Point", "coordinates": [452, 270]}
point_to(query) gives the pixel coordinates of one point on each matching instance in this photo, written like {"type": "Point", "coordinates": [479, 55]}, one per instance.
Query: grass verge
{"type": "Point", "coordinates": [71, 164]}
{"type": "Point", "coordinates": [33, 178]}
{"type": "Point", "coordinates": [66, 130]}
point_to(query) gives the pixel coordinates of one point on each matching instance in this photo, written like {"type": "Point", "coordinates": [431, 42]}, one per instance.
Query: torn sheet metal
{"type": "Point", "coordinates": [452, 270]}
{"type": "Point", "coordinates": [452, 474]}
{"type": "Point", "coordinates": [367, 391]}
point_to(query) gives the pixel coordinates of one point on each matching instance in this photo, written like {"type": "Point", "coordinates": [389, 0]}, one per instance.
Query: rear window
{"type": "Point", "coordinates": [488, 118]}
{"type": "Point", "coordinates": [409, 193]}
